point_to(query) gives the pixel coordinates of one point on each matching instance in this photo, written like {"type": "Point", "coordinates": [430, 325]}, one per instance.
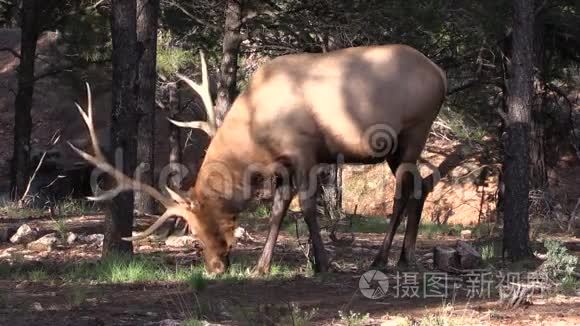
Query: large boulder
{"type": "Point", "coordinates": [24, 234]}
{"type": "Point", "coordinates": [446, 259]}
{"type": "Point", "coordinates": [469, 257]}
{"type": "Point", "coordinates": [462, 257]}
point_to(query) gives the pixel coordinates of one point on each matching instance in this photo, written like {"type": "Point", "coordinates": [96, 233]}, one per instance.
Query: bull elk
{"type": "Point", "coordinates": [362, 105]}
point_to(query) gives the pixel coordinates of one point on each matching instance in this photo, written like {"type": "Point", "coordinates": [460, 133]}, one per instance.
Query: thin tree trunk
{"type": "Point", "coordinates": [119, 220]}
{"type": "Point", "coordinates": [538, 168]}
{"type": "Point", "coordinates": [516, 163]}
{"type": "Point", "coordinates": [174, 131]}
{"type": "Point", "coordinates": [339, 185]}
{"type": "Point", "coordinates": [147, 16]}
{"type": "Point", "coordinates": [23, 103]}
{"type": "Point", "coordinates": [227, 91]}
{"type": "Point", "coordinates": [13, 13]}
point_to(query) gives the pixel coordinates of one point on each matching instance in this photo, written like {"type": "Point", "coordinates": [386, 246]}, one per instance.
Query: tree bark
{"type": "Point", "coordinates": [516, 162]}
{"type": "Point", "coordinates": [174, 131]}
{"type": "Point", "coordinates": [23, 102]}
{"type": "Point", "coordinates": [538, 168]}
{"type": "Point", "coordinates": [147, 16]}
{"type": "Point", "coordinates": [227, 91]}
{"type": "Point", "coordinates": [119, 220]}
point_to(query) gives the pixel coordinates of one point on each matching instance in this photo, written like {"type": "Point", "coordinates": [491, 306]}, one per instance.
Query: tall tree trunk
{"type": "Point", "coordinates": [119, 221]}
{"type": "Point", "coordinates": [174, 131]}
{"type": "Point", "coordinates": [227, 90]}
{"type": "Point", "coordinates": [23, 103]}
{"type": "Point", "coordinates": [538, 169]}
{"type": "Point", "coordinates": [147, 16]}
{"type": "Point", "coordinates": [516, 162]}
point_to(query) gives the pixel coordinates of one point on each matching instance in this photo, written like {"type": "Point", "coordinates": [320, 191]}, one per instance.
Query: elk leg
{"type": "Point", "coordinates": [308, 205]}
{"type": "Point", "coordinates": [282, 198]}
{"type": "Point", "coordinates": [402, 191]}
{"type": "Point", "coordinates": [414, 209]}
{"type": "Point", "coordinates": [306, 180]}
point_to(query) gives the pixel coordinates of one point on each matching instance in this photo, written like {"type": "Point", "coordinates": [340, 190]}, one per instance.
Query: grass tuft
{"type": "Point", "coordinates": [193, 322]}
{"type": "Point", "coordinates": [74, 207]}
{"type": "Point", "coordinates": [38, 275]}
{"type": "Point", "coordinates": [430, 230]}
{"type": "Point", "coordinates": [299, 316]}
{"type": "Point", "coordinates": [126, 269]}
{"type": "Point", "coordinates": [353, 318]}
{"type": "Point", "coordinates": [369, 224]}
{"type": "Point", "coordinates": [10, 209]}
{"type": "Point", "coordinates": [117, 269]}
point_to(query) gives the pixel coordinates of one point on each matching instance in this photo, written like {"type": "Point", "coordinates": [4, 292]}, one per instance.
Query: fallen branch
{"type": "Point", "coordinates": [515, 294]}
{"type": "Point", "coordinates": [22, 201]}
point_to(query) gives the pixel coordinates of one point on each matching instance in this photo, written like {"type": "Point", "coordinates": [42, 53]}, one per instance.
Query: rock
{"type": "Point", "coordinates": [180, 241]}
{"type": "Point", "coordinates": [37, 306]}
{"type": "Point", "coordinates": [96, 238]}
{"type": "Point", "coordinates": [71, 238]}
{"type": "Point", "coordinates": [6, 232]}
{"type": "Point", "coordinates": [446, 259]}
{"type": "Point", "coordinates": [465, 234]}
{"type": "Point", "coordinates": [241, 234]}
{"type": "Point", "coordinates": [24, 234]}
{"type": "Point", "coordinates": [46, 243]}
{"type": "Point", "coordinates": [469, 257]}
{"type": "Point", "coordinates": [169, 322]}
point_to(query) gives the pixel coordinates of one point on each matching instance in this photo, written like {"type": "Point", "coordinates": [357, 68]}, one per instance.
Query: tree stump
{"type": "Point", "coordinates": [469, 257]}
{"type": "Point", "coordinates": [446, 259]}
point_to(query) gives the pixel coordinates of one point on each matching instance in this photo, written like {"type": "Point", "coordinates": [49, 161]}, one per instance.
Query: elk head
{"type": "Point", "coordinates": [211, 225]}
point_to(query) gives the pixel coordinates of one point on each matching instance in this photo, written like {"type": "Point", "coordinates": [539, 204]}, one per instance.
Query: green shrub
{"type": "Point", "coordinates": [559, 263]}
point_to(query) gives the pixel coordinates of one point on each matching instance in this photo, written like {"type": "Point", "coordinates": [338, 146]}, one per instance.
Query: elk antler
{"type": "Point", "coordinates": [210, 127]}
{"type": "Point", "coordinates": [175, 205]}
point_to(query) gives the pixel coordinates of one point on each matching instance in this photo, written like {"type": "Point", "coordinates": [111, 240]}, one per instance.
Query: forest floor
{"type": "Point", "coordinates": [166, 285]}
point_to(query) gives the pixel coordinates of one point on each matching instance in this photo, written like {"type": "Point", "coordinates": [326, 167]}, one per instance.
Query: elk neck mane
{"type": "Point", "coordinates": [224, 176]}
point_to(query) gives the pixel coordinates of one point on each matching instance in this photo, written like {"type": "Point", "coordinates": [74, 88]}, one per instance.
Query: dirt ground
{"type": "Point", "coordinates": [247, 301]}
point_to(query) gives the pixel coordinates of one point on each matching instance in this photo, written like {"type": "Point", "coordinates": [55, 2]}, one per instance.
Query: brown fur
{"type": "Point", "coordinates": [305, 109]}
